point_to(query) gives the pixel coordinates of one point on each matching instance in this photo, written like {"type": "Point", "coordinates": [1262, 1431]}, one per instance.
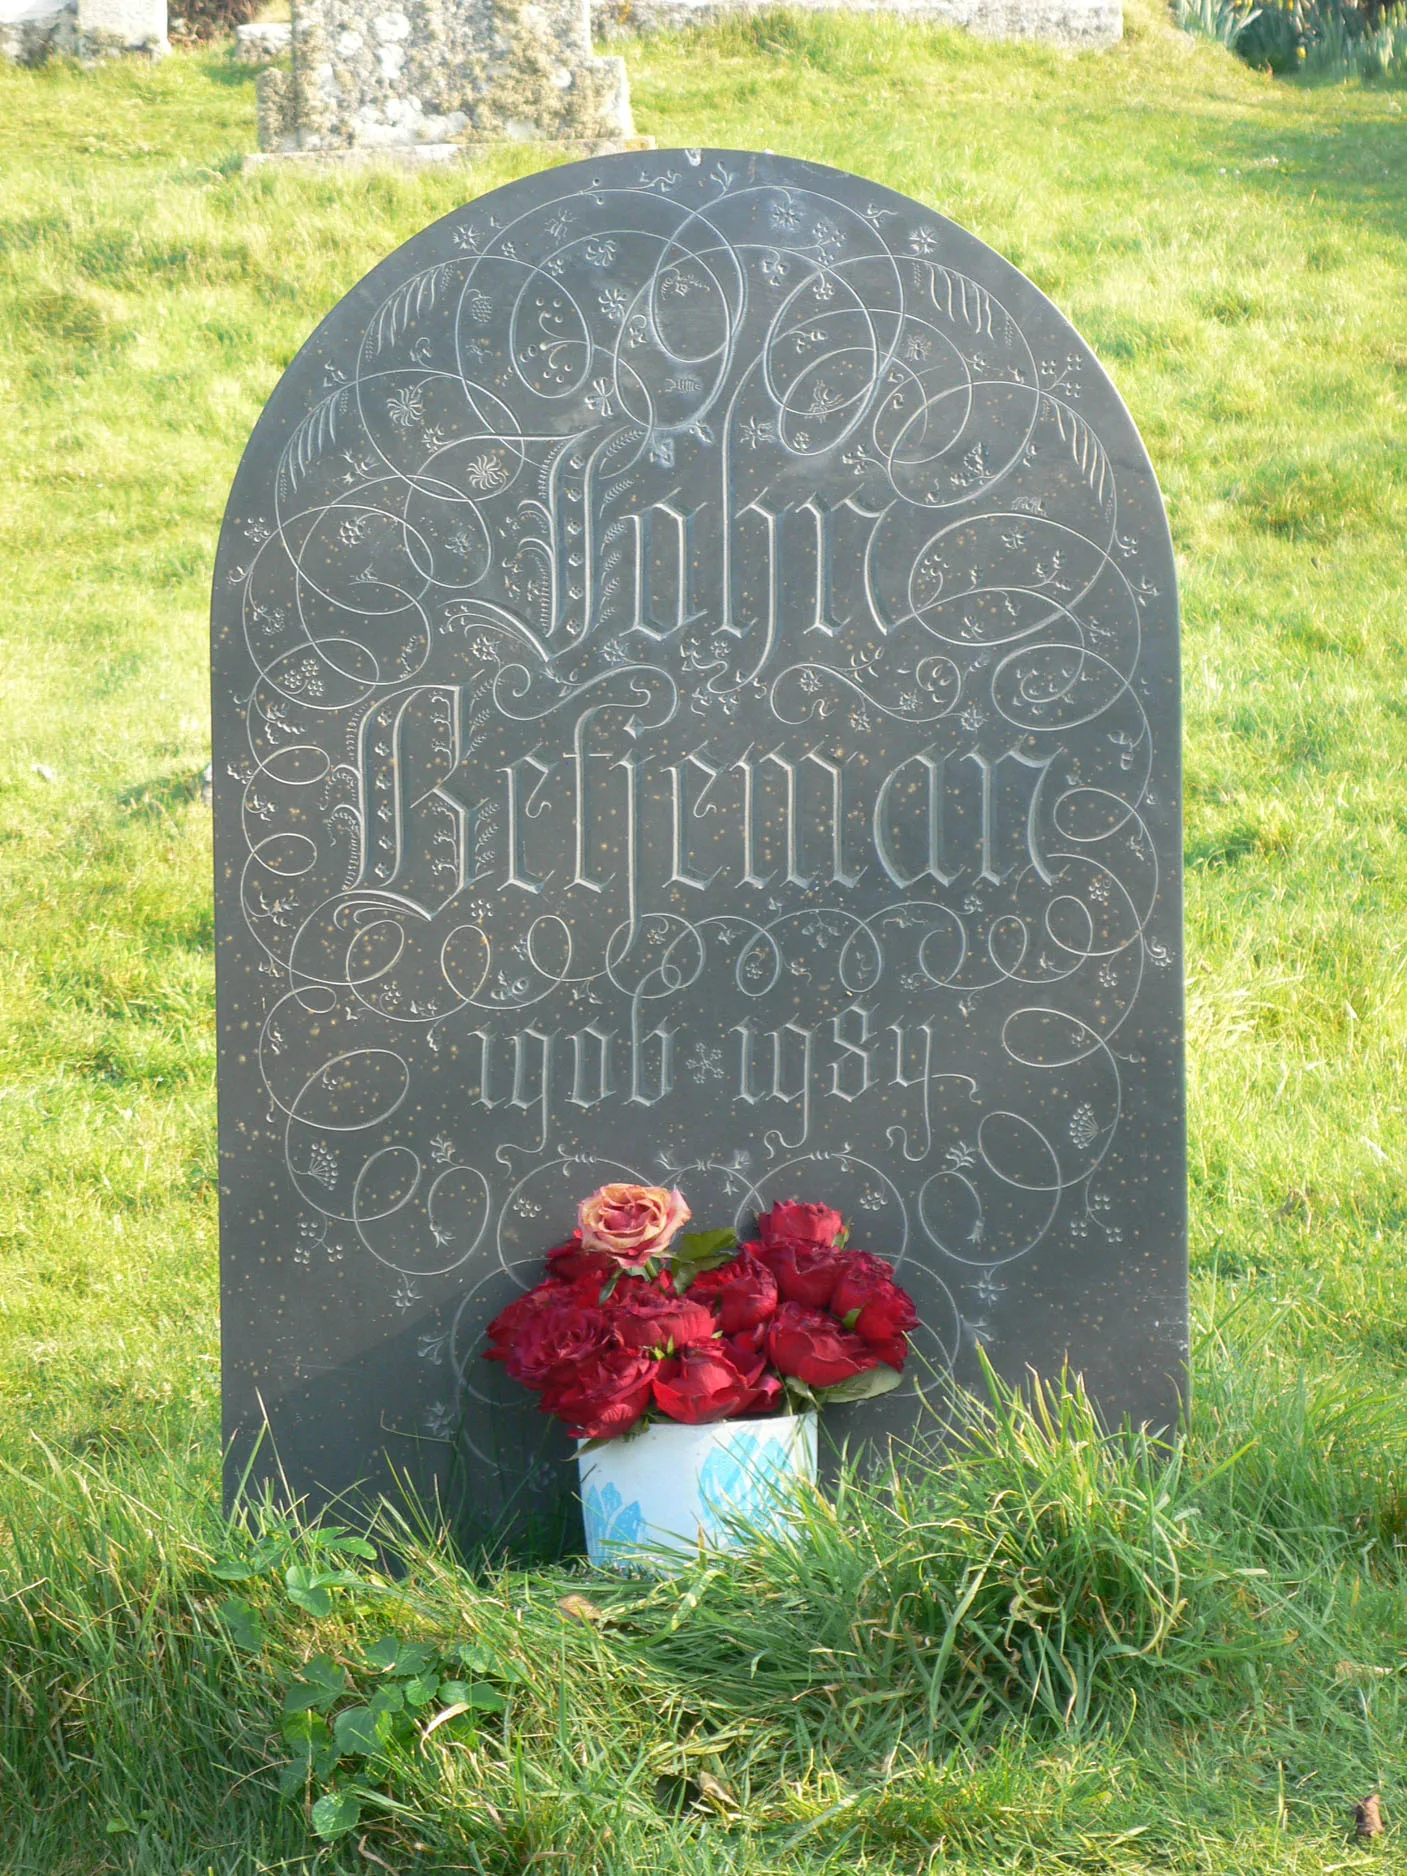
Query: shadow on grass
{"type": "Point", "coordinates": [222, 68]}
{"type": "Point", "coordinates": [160, 797]}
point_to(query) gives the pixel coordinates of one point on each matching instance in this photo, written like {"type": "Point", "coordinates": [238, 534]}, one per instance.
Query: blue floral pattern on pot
{"type": "Point", "coordinates": [609, 1520]}
{"type": "Point", "coordinates": [742, 1479]}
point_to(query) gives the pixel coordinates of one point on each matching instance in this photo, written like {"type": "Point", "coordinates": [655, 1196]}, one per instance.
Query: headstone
{"type": "Point", "coordinates": [32, 30]}
{"type": "Point", "coordinates": [261, 40]}
{"type": "Point", "coordinates": [116, 26]}
{"type": "Point", "coordinates": [696, 701]}
{"type": "Point", "coordinates": [28, 28]}
{"type": "Point", "coordinates": [1080, 25]}
{"type": "Point", "coordinates": [371, 74]}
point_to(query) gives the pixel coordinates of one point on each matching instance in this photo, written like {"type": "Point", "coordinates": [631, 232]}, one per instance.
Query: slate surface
{"type": "Point", "coordinates": [696, 700]}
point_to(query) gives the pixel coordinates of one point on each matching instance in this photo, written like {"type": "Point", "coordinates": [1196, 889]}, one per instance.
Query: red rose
{"type": "Point", "coordinates": [744, 1292]}
{"type": "Point", "coordinates": [508, 1325]}
{"type": "Point", "coordinates": [800, 1224]}
{"type": "Point", "coordinates": [653, 1320]}
{"type": "Point", "coordinates": [751, 1341]}
{"type": "Point", "coordinates": [815, 1348]}
{"type": "Point", "coordinates": [885, 1311]}
{"type": "Point", "coordinates": [555, 1339]}
{"type": "Point", "coordinates": [767, 1397]}
{"type": "Point", "coordinates": [569, 1263]}
{"type": "Point", "coordinates": [893, 1354]}
{"type": "Point", "coordinates": [805, 1273]}
{"type": "Point", "coordinates": [864, 1263]}
{"type": "Point", "coordinates": [702, 1384]}
{"type": "Point", "coordinates": [602, 1396]}
{"type": "Point", "coordinates": [749, 1351]}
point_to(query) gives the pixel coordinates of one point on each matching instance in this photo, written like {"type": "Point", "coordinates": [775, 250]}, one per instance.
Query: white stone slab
{"type": "Point", "coordinates": [262, 39]}
{"type": "Point", "coordinates": [1080, 25]}
{"type": "Point", "coordinates": [28, 28]}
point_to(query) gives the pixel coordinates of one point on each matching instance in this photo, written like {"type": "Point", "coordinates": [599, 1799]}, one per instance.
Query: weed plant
{"type": "Point", "coordinates": [1063, 1652]}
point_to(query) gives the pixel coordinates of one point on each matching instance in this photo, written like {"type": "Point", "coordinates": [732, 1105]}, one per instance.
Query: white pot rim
{"type": "Point", "coordinates": [679, 1428]}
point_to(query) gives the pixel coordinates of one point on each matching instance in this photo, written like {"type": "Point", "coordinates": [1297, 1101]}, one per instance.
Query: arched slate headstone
{"type": "Point", "coordinates": [696, 700]}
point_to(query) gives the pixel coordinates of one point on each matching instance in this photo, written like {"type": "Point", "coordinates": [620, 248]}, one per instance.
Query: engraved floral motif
{"type": "Point", "coordinates": [406, 407]}
{"type": "Point", "coordinates": [486, 472]}
{"type": "Point", "coordinates": [1084, 1128]}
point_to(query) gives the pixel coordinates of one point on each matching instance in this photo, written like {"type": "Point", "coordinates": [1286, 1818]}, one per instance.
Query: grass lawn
{"type": "Point", "coordinates": [1235, 249]}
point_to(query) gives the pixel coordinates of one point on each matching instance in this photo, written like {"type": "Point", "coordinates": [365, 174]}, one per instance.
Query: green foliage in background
{"type": "Point", "coordinates": [1060, 1654]}
{"type": "Point", "coordinates": [1328, 40]}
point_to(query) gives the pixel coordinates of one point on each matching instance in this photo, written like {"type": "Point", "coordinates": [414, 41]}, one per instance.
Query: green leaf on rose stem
{"type": "Point", "coordinates": [799, 1394]}
{"type": "Point", "coordinates": [336, 1813]}
{"type": "Point", "coordinates": [476, 1695]}
{"type": "Point", "coordinates": [852, 1316]}
{"type": "Point", "coordinates": [880, 1380]}
{"type": "Point", "coordinates": [241, 1623]}
{"type": "Point", "coordinates": [706, 1250]}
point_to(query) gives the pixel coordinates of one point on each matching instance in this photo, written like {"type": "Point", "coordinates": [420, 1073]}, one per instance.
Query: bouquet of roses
{"type": "Point", "coordinates": [624, 1330]}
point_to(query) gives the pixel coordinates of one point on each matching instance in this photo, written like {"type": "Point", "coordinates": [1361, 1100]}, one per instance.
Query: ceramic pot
{"type": "Point", "coordinates": [672, 1487]}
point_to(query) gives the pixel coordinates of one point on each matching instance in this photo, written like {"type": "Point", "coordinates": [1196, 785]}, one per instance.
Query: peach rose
{"type": "Point", "coordinates": [631, 1223]}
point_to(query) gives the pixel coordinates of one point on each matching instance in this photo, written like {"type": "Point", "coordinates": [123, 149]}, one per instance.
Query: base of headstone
{"type": "Point", "coordinates": [419, 155]}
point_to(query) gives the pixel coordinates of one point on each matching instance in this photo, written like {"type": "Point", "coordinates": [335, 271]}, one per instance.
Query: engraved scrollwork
{"type": "Point", "coordinates": [693, 622]}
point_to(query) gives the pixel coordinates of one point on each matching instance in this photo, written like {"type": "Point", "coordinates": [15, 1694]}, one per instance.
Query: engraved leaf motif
{"type": "Point", "coordinates": [314, 434]}
{"type": "Point", "coordinates": [1087, 450]}
{"type": "Point", "coordinates": [416, 296]}
{"type": "Point", "coordinates": [962, 299]}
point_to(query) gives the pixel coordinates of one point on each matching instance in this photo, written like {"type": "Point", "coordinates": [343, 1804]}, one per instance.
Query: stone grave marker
{"type": "Point", "coordinates": [696, 701]}
{"type": "Point", "coordinates": [373, 75]}
{"type": "Point", "coordinates": [89, 30]}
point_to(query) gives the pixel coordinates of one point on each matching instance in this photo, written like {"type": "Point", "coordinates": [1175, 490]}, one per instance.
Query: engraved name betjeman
{"type": "Point", "coordinates": [695, 688]}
